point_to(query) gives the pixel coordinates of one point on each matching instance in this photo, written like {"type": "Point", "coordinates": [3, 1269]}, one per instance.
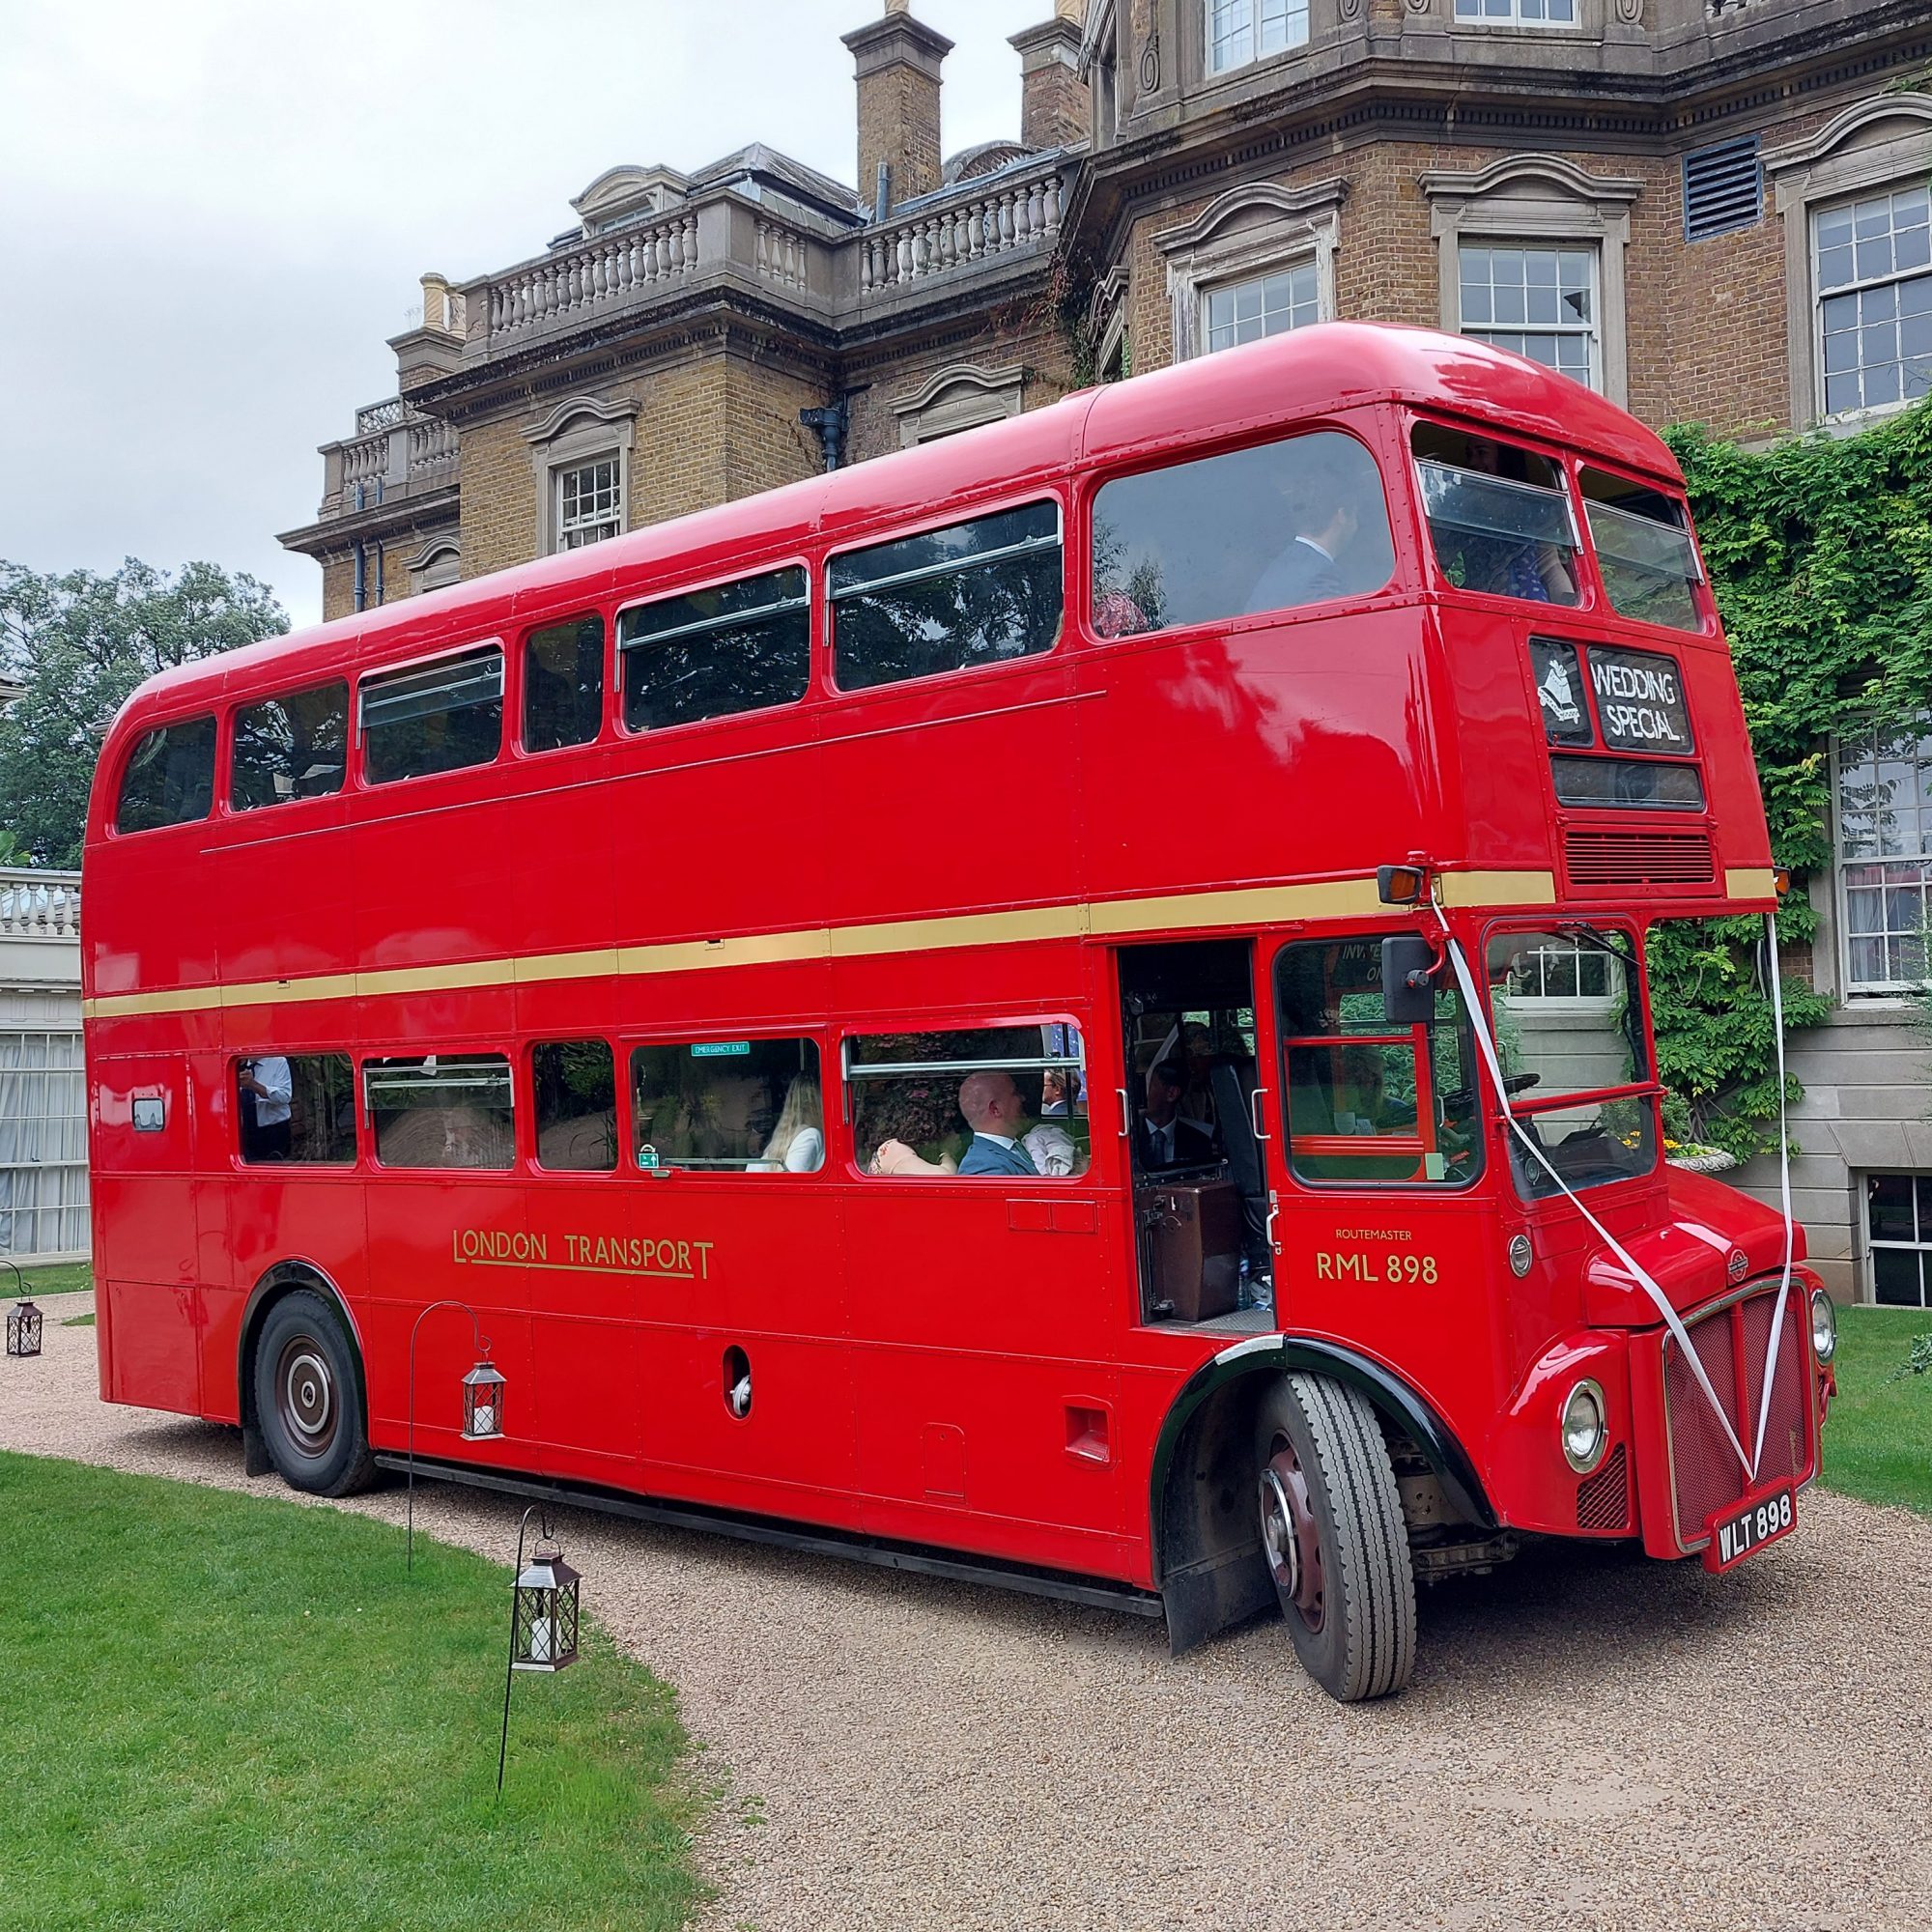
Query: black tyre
{"type": "Point", "coordinates": [308, 1397]}
{"type": "Point", "coordinates": [1333, 1535]}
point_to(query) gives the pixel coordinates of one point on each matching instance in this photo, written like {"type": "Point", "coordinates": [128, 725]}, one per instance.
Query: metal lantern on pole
{"type": "Point", "coordinates": [483, 1389]}
{"type": "Point", "coordinates": [24, 1329]}
{"type": "Point", "coordinates": [543, 1616]}
{"type": "Point", "coordinates": [482, 1402]}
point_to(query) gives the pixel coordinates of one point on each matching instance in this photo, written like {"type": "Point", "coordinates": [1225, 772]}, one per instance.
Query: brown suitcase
{"type": "Point", "coordinates": [1192, 1231]}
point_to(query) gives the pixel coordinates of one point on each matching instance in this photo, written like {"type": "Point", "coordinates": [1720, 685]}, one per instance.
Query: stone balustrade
{"type": "Point", "coordinates": [605, 273]}
{"type": "Point", "coordinates": [39, 905]}
{"type": "Point", "coordinates": [1010, 217]}
{"type": "Point", "coordinates": [397, 450]}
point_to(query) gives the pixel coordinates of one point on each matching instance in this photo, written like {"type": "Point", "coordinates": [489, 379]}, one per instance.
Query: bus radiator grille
{"type": "Point", "coordinates": [1638, 859]}
{"type": "Point", "coordinates": [1602, 1500]}
{"type": "Point", "coordinates": [1705, 1466]}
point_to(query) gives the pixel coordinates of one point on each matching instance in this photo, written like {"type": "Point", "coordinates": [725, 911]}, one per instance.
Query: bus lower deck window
{"type": "Point", "coordinates": [575, 1083]}
{"type": "Point", "coordinates": [298, 1107]}
{"type": "Point", "coordinates": [732, 1106]}
{"type": "Point", "coordinates": [441, 1110]}
{"type": "Point", "coordinates": [979, 1101]}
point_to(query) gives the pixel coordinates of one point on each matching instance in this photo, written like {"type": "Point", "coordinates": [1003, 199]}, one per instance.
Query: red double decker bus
{"type": "Point", "coordinates": [1067, 1005]}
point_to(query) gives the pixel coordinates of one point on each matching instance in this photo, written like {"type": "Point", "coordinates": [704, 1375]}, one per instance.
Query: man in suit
{"type": "Point", "coordinates": [997, 1114]}
{"type": "Point", "coordinates": [1165, 1139]}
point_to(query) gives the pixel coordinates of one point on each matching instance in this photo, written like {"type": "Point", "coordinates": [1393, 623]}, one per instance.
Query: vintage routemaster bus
{"type": "Point", "coordinates": [1065, 1005]}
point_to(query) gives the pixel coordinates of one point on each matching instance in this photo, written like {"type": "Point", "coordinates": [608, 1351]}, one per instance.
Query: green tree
{"type": "Point", "coordinates": [81, 644]}
{"type": "Point", "coordinates": [1820, 552]}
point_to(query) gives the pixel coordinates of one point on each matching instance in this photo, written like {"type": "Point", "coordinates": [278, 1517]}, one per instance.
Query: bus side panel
{"type": "Point", "coordinates": [267, 1215]}
{"type": "Point", "coordinates": [769, 1283]}
{"type": "Point", "coordinates": [978, 1422]}
{"type": "Point", "coordinates": [433, 1238]}
{"type": "Point", "coordinates": [145, 1197]}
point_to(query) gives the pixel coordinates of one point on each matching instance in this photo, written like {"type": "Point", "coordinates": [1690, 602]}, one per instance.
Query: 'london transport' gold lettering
{"type": "Point", "coordinates": [605, 1253]}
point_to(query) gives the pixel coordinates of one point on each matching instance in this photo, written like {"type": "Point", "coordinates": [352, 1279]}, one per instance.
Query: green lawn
{"type": "Point", "coordinates": [1878, 1442]}
{"type": "Point", "coordinates": [229, 1713]}
{"type": "Point", "coordinates": [60, 1278]}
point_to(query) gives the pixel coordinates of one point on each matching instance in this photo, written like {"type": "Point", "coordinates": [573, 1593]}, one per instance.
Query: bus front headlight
{"type": "Point", "coordinates": [1824, 1326]}
{"type": "Point", "coordinates": [1585, 1433]}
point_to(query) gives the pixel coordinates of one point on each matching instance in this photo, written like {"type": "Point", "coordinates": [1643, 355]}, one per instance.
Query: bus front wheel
{"type": "Point", "coordinates": [1333, 1535]}
{"type": "Point", "coordinates": [308, 1401]}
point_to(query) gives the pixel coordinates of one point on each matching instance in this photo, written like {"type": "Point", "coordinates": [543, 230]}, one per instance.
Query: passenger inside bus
{"type": "Point", "coordinates": [1166, 1140]}
{"type": "Point", "coordinates": [1043, 1149]}
{"type": "Point", "coordinates": [797, 1145]}
{"type": "Point", "coordinates": [747, 1106]}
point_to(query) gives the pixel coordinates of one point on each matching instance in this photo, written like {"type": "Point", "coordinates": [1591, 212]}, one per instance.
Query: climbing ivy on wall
{"type": "Point", "coordinates": [1820, 551]}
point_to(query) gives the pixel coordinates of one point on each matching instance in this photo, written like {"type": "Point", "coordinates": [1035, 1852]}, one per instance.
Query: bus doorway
{"type": "Point", "coordinates": [1201, 1191]}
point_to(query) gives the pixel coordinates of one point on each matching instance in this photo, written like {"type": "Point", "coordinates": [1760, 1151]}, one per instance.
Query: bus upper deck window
{"type": "Point", "coordinates": [435, 717]}
{"type": "Point", "coordinates": [1290, 522]}
{"type": "Point", "coordinates": [970, 594]}
{"type": "Point", "coordinates": [563, 683]}
{"type": "Point", "coordinates": [1644, 551]}
{"type": "Point", "coordinates": [289, 747]}
{"type": "Point", "coordinates": [713, 653]}
{"type": "Point", "coordinates": [1498, 516]}
{"type": "Point", "coordinates": [170, 778]}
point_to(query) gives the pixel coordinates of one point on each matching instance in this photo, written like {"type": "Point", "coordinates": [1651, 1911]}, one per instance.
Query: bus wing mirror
{"type": "Point", "coordinates": [1408, 988]}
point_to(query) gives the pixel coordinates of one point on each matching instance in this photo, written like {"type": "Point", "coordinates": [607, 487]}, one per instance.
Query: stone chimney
{"type": "Point", "coordinates": [1054, 110]}
{"type": "Point", "coordinates": [899, 60]}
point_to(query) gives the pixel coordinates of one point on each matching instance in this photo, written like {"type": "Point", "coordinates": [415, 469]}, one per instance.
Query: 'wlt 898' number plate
{"type": "Point", "coordinates": [1735, 1537]}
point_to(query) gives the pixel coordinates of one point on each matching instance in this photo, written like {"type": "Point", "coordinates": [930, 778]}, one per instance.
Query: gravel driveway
{"type": "Point", "coordinates": [1591, 1741]}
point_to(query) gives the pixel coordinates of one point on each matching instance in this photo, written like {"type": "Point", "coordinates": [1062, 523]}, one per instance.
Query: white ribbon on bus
{"type": "Point", "coordinates": [1479, 1019]}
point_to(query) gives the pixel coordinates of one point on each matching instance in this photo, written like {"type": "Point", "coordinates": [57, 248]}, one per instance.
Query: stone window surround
{"type": "Point", "coordinates": [1539, 198]}
{"type": "Point", "coordinates": [1293, 225]}
{"type": "Point", "coordinates": [579, 429]}
{"type": "Point", "coordinates": [961, 396]}
{"type": "Point", "coordinates": [1808, 175]}
{"type": "Point", "coordinates": [435, 566]}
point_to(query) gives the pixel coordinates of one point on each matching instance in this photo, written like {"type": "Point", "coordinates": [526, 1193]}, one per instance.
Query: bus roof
{"type": "Point", "coordinates": [1305, 374]}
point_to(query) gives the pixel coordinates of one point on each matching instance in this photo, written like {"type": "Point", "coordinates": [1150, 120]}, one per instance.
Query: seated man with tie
{"type": "Point", "coordinates": [996, 1113]}
{"type": "Point", "coordinates": [1165, 1139]}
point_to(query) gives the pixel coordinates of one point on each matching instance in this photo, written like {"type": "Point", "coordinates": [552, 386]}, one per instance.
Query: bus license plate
{"type": "Point", "coordinates": [1739, 1535]}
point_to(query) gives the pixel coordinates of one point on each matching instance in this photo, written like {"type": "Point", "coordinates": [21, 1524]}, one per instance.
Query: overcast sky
{"type": "Point", "coordinates": [213, 213]}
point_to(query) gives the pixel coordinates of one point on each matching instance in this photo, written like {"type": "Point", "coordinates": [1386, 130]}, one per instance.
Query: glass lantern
{"type": "Point", "coordinates": [543, 1635]}
{"type": "Point", "coordinates": [24, 1329]}
{"type": "Point", "coordinates": [482, 1403]}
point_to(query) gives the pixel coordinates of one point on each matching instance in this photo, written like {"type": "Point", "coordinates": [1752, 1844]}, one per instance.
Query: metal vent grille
{"type": "Point", "coordinates": [1638, 859]}
{"type": "Point", "coordinates": [1723, 188]}
{"type": "Point", "coordinates": [1602, 1500]}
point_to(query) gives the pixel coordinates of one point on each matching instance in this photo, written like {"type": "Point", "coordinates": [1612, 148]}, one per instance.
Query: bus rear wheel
{"type": "Point", "coordinates": [1333, 1535]}
{"type": "Point", "coordinates": [308, 1401]}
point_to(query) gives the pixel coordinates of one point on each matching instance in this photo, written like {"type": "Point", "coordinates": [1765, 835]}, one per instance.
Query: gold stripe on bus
{"type": "Point", "coordinates": [1496, 892]}
{"type": "Point", "coordinates": [1256, 906]}
{"type": "Point", "coordinates": [978, 928]}
{"type": "Point", "coordinates": [1750, 882]}
{"type": "Point", "coordinates": [699, 955]}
